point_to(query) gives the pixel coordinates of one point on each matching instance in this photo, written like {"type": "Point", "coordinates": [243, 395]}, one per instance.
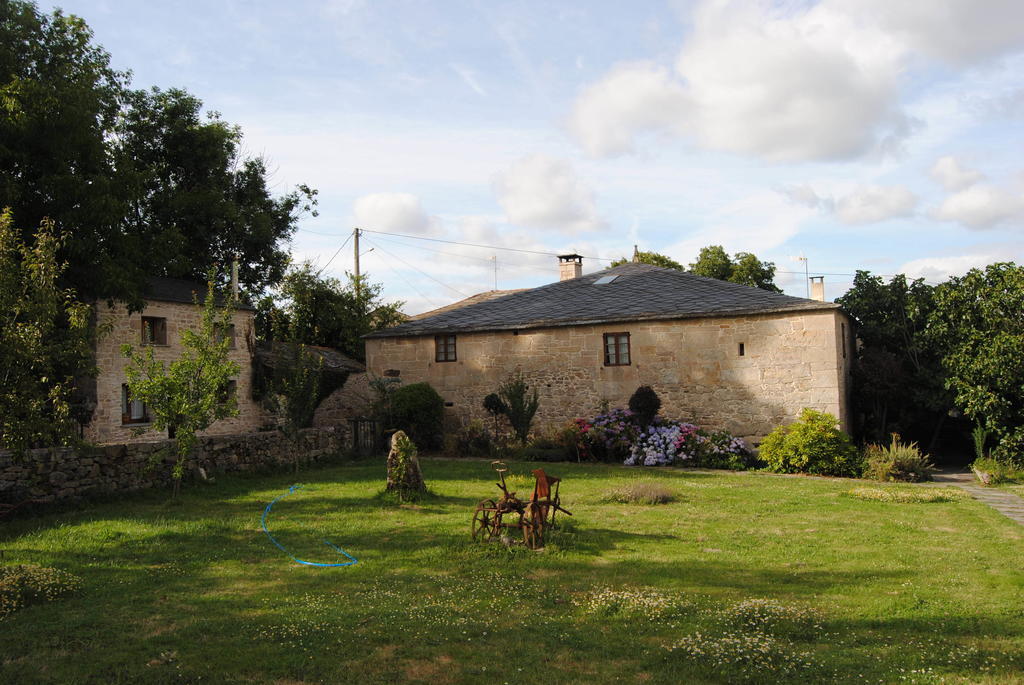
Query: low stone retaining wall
{"type": "Point", "coordinates": [67, 475]}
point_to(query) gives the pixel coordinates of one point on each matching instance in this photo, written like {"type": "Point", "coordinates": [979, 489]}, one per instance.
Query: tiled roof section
{"type": "Point", "coordinates": [473, 299]}
{"type": "Point", "coordinates": [333, 359]}
{"type": "Point", "coordinates": [161, 289]}
{"type": "Point", "coordinates": [639, 292]}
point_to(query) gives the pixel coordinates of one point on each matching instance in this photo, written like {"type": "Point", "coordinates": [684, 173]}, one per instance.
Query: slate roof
{"type": "Point", "coordinates": [472, 299]}
{"type": "Point", "coordinates": [161, 289]}
{"type": "Point", "coordinates": [640, 292]}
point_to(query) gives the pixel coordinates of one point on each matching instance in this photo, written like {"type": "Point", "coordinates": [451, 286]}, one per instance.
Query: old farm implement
{"type": "Point", "coordinates": [531, 516]}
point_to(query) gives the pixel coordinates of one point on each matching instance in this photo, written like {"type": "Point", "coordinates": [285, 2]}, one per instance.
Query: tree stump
{"type": "Point", "coordinates": [404, 475]}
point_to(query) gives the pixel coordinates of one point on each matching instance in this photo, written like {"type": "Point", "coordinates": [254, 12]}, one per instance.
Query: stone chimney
{"type": "Point", "coordinates": [818, 288]}
{"type": "Point", "coordinates": [569, 266]}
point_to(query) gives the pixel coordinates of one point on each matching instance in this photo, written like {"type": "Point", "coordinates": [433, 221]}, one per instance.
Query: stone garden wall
{"type": "Point", "coordinates": [66, 475]}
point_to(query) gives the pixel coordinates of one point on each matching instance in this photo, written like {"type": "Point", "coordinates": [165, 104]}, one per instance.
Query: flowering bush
{"type": "Point", "coordinates": [656, 446]}
{"type": "Point", "coordinates": [612, 434]}
{"type": "Point", "coordinates": [616, 434]}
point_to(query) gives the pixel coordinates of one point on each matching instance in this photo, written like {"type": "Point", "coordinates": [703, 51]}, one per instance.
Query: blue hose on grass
{"type": "Point", "coordinates": [330, 544]}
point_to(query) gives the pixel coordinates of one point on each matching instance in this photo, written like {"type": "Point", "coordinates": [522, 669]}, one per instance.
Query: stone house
{"type": "Point", "coordinates": [720, 355]}
{"type": "Point", "coordinates": [170, 309]}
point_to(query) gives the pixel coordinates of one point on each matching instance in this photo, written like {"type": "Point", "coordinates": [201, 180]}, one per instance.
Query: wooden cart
{"type": "Point", "coordinates": [491, 518]}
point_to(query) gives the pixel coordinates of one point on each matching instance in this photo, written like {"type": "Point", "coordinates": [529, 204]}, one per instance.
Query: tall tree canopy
{"type": "Point", "coordinates": [978, 322]}
{"type": "Point", "coordinates": [898, 380]}
{"type": "Point", "coordinates": [325, 311]}
{"type": "Point", "coordinates": [744, 268]}
{"type": "Point", "coordinates": [44, 341]}
{"type": "Point", "coordinates": [137, 183]}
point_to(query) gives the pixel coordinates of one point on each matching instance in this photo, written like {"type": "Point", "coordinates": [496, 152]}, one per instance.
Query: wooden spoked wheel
{"type": "Point", "coordinates": [485, 520]}
{"type": "Point", "coordinates": [533, 527]}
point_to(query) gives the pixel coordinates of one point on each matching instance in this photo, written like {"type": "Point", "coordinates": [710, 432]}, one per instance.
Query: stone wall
{"type": "Point", "coordinates": [106, 425]}
{"type": "Point", "coordinates": [52, 476]}
{"type": "Point", "coordinates": [789, 361]}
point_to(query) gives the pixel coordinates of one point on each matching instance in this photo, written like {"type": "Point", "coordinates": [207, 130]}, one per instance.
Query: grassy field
{"type": "Point", "coordinates": [743, 577]}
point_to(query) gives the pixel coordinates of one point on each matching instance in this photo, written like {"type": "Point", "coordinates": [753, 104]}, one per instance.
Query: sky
{"type": "Point", "coordinates": [883, 135]}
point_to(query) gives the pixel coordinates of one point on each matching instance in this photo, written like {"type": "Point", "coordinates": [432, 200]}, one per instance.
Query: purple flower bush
{"type": "Point", "coordinates": [615, 435]}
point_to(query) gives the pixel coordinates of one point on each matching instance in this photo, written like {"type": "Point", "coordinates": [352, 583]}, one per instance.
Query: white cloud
{"type": "Point", "coordinates": [758, 223]}
{"type": "Point", "coordinates": [949, 172]}
{"type": "Point", "coordinates": [544, 192]}
{"type": "Point", "coordinates": [863, 205]}
{"type": "Point", "coordinates": [394, 213]}
{"type": "Point", "coordinates": [869, 204]}
{"type": "Point", "coordinates": [936, 269]}
{"type": "Point", "coordinates": [956, 31]}
{"type": "Point", "coordinates": [633, 97]}
{"type": "Point", "coordinates": [811, 85]}
{"type": "Point", "coordinates": [793, 82]}
{"type": "Point", "coordinates": [981, 206]}
{"type": "Point", "coordinates": [468, 77]}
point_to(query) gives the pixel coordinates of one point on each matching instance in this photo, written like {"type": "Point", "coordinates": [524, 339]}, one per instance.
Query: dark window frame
{"type": "Point", "coordinates": [126, 409]}
{"type": "Point", "coordinates": [445, 349]}
{"type": "Point", "coordinates": [227, 332]}
{"type": "Point", "coordinates": [154, 330]}
{"type": "Point", "coordinates": [615, 358]}
{"type": "Point", "coordinates": [229, 390]}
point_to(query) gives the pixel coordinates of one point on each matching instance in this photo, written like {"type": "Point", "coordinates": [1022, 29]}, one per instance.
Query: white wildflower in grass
{"type": "Point", "coordinates": [909, 494]}
{"type": "Point", "coordinates": [26, 584]}
{"type": "Point", "coordinates": [644, 602]}
{"type": "Point", "coordinates": [743, 656]}
{"type": "Point", "coordinates": [773, 616]}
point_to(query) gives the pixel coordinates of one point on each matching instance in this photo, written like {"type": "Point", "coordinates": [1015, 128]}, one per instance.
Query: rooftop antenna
{"type": "Point", "coordinates": [495, 259]}
{"type": "Point", "coordinates": [807, 275]}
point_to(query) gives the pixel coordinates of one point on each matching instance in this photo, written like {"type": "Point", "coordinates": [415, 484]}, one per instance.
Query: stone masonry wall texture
{"type": "Point", "coordinates": [106, 425]}
{"type": "Point", "coordinates": [790, 361]}
{"type": "Point", "coordinates": [64, 475]}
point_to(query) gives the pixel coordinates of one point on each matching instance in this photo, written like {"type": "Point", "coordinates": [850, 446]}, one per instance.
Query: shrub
{"type": "Point", "coordinates": [814, 444]}
{"type": "Point", "coordinates": [520, 407]}
{"type": "Point", "coordinates": [991, 471]}
{"type": "Point", "coordinates": [472, 440]}
{"type": "Point", "coordinates": [715, 449]}
{"type": "Point", "coordinates": [645, 405]}
{"type": "Point", "coordinates": [418, 410]}
{"type": "Point", "coordinates": [640, 492]}
{"type": "Point", "coordinates": [26, 584]}
{"type": "Point", "coordinates": [611, 434]}
{"type": "Point", "coordinates": [897, 461]}
{"type": "Point", "coordinates": [656, 445]}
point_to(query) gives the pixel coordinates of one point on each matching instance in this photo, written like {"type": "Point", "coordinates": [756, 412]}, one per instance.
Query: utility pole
{"type": "Point", "coordinates": [355, 248]}
{"type": "Point", "coordinates": [495, 258]}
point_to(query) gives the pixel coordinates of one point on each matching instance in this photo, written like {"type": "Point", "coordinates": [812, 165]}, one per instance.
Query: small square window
{"type": "Point", "coordinates": [616, 349]}
{"type": "Point", "coordinates": [154, 330]}
{"type": "Point", "coordinates": [227, 332]}
{"type": "Point", "coordinates": [444, 348]}
{"type": "Point", "coordinates": [132, 411]}
{"type": "Point", "coordinates": [229, 390]}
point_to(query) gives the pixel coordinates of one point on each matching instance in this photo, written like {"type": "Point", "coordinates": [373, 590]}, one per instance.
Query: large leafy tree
{"type": "Point", "coordinates": [187, 395]}
{"type": "Point", "coordinates": [979, 323]}
{"type": "Point", "coordinates": [44, 341]}
{"type": "Point", "coordinates": [744, 268]}
{"type": "Point", "coordinates": [898, 381]}
{"type": "Point", "coordinates": [324, 311]}
{"type": "Point", "coordinates": [138, 183]}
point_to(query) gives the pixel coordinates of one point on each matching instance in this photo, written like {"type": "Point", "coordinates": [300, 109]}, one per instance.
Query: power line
{"type": "Point", "coordinates": [335, 254]}
{"type": "Point", "coordinates": [486, 247]}
{"type": "Point", "coordinates": [518, 265]}
{"type": "Point", "coordinates": [456, 290]}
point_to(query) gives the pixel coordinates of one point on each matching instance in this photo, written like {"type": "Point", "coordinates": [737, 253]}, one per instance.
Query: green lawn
{"type": "Point", "coordinates": [193, 591]}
